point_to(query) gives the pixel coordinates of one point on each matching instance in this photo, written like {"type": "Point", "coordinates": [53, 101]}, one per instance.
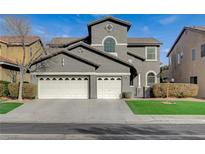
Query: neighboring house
{"type": "Point", "coordinates": [11, 53]}
{"type": "Point", "coordinates": [164, 74]}
{"type": "Point", "coordinates": [187, 58]}
{"type": "Point", "coordinates": [102, 65]}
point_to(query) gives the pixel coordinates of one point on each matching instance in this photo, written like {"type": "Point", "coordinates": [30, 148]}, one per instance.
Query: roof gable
{"type": "Point", "coordinates": [67, 54]}
{"type": "Point", "coordinates": [198, 29]}
{"type": "Point", "coordinates": [16, 40]}
{"type": "Point", "coordinates": [109, 18]}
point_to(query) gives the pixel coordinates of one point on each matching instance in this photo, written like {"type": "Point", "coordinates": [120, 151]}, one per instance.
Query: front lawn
{"type": "Point", "coordinates": [6, 107]}
{"type": "Point", "coordinates": [154, 107]}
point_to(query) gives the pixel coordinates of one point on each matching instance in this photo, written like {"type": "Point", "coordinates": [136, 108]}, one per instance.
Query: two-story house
{"type": "Point", "coordinates": [187, 58]}
{"type": "Point", "coordinates": [11, 54]}
{"type": "Point", "coordinates": [102, 65]}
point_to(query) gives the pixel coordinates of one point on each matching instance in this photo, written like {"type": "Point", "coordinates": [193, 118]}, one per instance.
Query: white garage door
{"type": "Point", "coordinates": [108, 87]}
{"type": "Point", "coordinates": [63, 87]}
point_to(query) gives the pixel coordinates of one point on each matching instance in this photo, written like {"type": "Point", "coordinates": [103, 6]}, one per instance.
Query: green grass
{"type": "Point", "coordinates": [153, 107]}
{"type": "Point", "coordinates": [6, 107]}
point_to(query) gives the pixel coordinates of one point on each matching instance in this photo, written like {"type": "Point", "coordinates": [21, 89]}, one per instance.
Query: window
{"type": "Point", "coordinates": [193, 53]}
{"type": "Point", "coordinates": [109, 45]}
{"type": "Point", "coordinates": [170, 60]}
{"type": "Point", "coordinates": [151, 79]}
{"type": "Point", "coordinates": [203, 50]}
{"type": "Point", "coordinates": [193, 79]}
{"type": "Point", "coordinates": [151, 53]}
{"type": "Point", "coordinates": [178, 58]}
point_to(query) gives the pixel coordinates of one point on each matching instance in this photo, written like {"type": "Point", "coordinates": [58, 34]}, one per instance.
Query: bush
{"type": "Point", "coordinates": [5, 91]}
{"type": "Point", "coordinates": [1, 89]}
{"type": "Point", "coordinates": [127, 94]}
{"type": "Point", "coordinates": [29, 90]}
{"type": "Point", "coordinates": [179, 90]}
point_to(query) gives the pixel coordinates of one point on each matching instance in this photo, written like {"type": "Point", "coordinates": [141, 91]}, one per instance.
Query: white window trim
{"type": "Point", "coordinates": [155, 54]}
{"type": "Point", "coordinates": [178, 58]}
{"type": "Point", "coordinates": [170, 60]}
{"type": "Point", "coordinates": [139, 80]}
{"type": "Point", "coordinates": [109, 36]}
{"type": "Point", "coordinates": [146, 77]}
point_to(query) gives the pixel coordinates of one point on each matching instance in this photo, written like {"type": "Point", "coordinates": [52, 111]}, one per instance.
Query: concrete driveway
{"type": "Point", "coordinates": [70, 111]}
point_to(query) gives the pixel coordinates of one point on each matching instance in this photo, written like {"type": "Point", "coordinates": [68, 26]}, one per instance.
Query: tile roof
{"type": "Point", "coordinates": [6, 60]}
{"type": "Point", "coordinates": [63, 40]}
{"type": "Point", "coordinates": [16, 40]}
{"type": "Point", "coordinates": [131, 41]}
{"type": "Point", "coordinates": [202, 28]}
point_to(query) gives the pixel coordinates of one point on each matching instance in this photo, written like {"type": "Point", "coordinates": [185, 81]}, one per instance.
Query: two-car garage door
{"type": "Point", "coordinates": [63, 87]}
{"type": "Point", "coordinates": [77, 87]}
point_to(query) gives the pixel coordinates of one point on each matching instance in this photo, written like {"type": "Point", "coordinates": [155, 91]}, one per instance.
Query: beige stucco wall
{"type": "Point", "coordinates": [15, 53]}
{"type": "Point", "coordinates": [5, 75]}
{"type": "Point", "coordinates": [187, 68]}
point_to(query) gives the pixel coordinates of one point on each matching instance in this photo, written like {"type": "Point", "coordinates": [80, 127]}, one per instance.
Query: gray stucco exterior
{"type": "Point", "coordinates": [100, 63]}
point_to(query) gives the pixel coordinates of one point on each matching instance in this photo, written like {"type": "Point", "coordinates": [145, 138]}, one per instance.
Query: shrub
{"type": "Point", "coordinates": [178, 90]}
{"type": "Point", "coordinates": [127, 94]}
{"type": "Point", "coordinates": [5, 91]}
{"type": "Point", "coordinates": [1, 89]}
{"type": "Point", "coordinates": [29, 90]}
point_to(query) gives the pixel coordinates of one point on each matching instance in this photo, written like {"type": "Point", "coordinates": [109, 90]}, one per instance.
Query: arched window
{"type": "Point", "coordinates": [109, 45]}
{"type": "Point", "coordinates": [151, 79]}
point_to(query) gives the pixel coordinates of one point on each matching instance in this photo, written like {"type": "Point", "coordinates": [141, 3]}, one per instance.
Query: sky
{"type": "Point", "coordinates": [164, 27]}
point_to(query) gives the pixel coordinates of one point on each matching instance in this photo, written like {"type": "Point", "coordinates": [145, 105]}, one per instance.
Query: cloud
{"type": "Point", "coordinates": [39, 30]}
{"type": "Point", "coordinates": [64, 35]}
{"type": "Point", "coordinates": [166, 50]}
{"type": "Point", "coordinates": [145, 28]}
{"type": "Point", "coordinates": [168, 20]}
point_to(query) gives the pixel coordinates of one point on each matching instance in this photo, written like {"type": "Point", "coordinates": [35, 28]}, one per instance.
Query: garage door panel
{"type": "Point", "coordinates": [108, 87]}
{"type": "Point", "coordinates": [64, 87]}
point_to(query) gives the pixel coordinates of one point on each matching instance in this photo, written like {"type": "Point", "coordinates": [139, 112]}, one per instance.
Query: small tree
{"type": "Point", "coordinates": [21, 28]}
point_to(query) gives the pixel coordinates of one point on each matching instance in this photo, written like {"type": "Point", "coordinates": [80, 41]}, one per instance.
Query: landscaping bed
{"type": "Point", "coordinates": [159, 107]}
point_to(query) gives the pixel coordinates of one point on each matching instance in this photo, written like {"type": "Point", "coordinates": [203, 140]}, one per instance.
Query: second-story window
{"type": "Point", "coordinates": [170, 60]}
{"type": "Point", "coordinates": [109, 45]}
{"type": "Point", "coordinates": [151, 53]}
{"type": "Point", "coordinates": [203, 50]}
{"type": "Point", "coordinates": [178, 58]}
{"type": "Point", "coordinates": [193, 54]}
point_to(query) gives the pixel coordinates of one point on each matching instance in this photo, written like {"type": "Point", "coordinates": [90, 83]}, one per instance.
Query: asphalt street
{"type": "Point", "coordinates": [102, 131]}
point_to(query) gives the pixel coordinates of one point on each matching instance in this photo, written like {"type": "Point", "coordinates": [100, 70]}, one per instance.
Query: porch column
{"type": "Point", "coordinates": [139, 81]}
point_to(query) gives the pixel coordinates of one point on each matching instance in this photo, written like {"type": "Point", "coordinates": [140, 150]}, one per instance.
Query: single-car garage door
{"type": "Point", "coordinates": [108, 87]}
{"type": "Point", "coordinates": [71, 87]}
